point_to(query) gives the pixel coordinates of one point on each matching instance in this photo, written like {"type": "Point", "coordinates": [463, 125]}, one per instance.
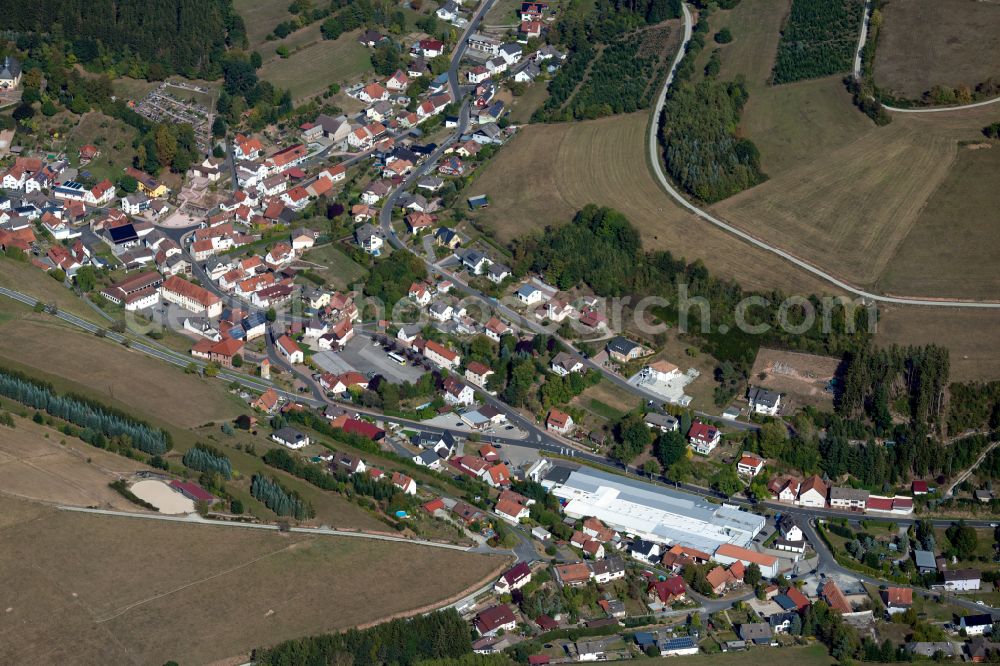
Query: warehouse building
{"type": "Point", "coordinates": [650, 512]}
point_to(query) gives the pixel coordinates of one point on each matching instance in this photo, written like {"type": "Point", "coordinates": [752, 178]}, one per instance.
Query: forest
{"type": "Point", "coordinates": [908, 381]}
{"type": "Point", "coordinates": [819, 39]}
{"type": "Point", "coordinates": [439, 635]}
{"type": "Point", "coordinates": [974, 405]}
{"type": "Point", "coordinates": [160, 37]}
{"type": "Point", "coordinates": [701, 150]}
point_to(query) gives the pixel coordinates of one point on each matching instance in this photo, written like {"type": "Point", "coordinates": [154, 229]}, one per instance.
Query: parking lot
{"type": "Point", "coordinates": [361, 355]}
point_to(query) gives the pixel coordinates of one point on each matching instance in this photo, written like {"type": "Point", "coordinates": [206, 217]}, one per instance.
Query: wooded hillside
{"type": "Point", "coordinates": [184, 36]}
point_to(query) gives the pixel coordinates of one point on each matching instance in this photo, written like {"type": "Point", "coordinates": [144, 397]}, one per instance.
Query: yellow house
{"type": "Point", "coordinates": [147, 184]}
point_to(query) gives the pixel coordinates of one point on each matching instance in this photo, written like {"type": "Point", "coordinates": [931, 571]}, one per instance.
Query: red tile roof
{"type": "Point", "coordinates": [363, 428]}
{"type": "Point", "coordinates": [189, 290]}
{"type": "Point", "coordinates": [193, 490]}
{"type": "Point", "coordinates": [835, 598]}
{"type": "Point", "coordinates": [434, 505]}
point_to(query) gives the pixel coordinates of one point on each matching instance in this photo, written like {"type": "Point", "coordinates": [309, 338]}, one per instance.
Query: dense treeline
{"type": "Point", "coordinates": [205, 458]}
{"type": "Point", "coordinates": [974, 405]}
{"type": "Point", "coordinates": [279, 499]}
{"type": "Point", "coordinates": [909, 381]}
{"type": "Point", "coordinates": [94, 418]}
{"type": "Point", "coordinates": [155, 37]}
{"type": "Point", "coordinates": [701, 150]}
{"type": "Point", "coordinates": [439, 635]}
{"type": "Point", "coordinates": [819, 39]}
{"type": "Point", "coordinates": [601, 249]}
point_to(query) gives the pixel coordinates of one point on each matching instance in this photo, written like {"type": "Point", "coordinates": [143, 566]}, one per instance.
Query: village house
{"type": "Point", "coordinates": [513, 579]}
{"type": "Point", "coordinates": [289, 350]}
{"type": "Point", "coordinates": [441, 356]}
{"type": "Point", "coordinates": [623, 350]}
{"type": "Point", "coordinates": [559, 422]}
{"type": "Point", "coordinates": [749, 464]}
{"type": "Point", "coordinates": [812, 493]}
{"type": "Point", "coordinates": [763, 401]}
{"type": "Point", "coordinates": [703, 438]}
{"type": "Point", "coordinates": [494, 619]}
{"type": "Point", "coordinates": [478, 373]}
{"type": "Point", "coordinates": [291, 438]}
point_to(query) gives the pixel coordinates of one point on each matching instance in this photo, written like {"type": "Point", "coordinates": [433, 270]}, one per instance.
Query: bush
{"type": "Point", "coordinates": [724, 36]}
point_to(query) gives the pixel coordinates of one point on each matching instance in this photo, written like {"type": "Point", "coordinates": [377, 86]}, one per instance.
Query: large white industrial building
{"type": "Point", "coordinates": [652, 513]}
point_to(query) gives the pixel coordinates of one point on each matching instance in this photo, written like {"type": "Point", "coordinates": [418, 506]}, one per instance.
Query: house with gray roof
{"type": "Point", "coordinates": [763, 401]}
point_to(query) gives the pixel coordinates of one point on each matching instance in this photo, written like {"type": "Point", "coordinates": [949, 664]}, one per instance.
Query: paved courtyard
{"type": "Point", "coordinates": [361, 355]}
{"type": "Point", "coordinates": [672, 390]}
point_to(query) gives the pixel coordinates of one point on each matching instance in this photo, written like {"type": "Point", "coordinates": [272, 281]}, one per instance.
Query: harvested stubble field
{"type": "Point", "coordinates": [35, 465]}
{"type": "Point", "coordinates": [101, 590]}
{"type": "Point", "coordinates": [955, 233]}
{"type": "Point", "coordinates": [849, 210]}
{"type": "Point", "coordinates": [549, 172]}
{"type": "Point", "coordinates": [113, 373]}
{"type": "Point", "coordinates": [925, 43]}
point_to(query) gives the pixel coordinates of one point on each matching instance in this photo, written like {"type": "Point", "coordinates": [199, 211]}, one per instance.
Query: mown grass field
{"type": "Point", "coordinates": [937, 42]}
{"type": "Point", "coordinates": [848, 210]}
{"type": "Point", "coordinates": [27, 279]}
{"type": "Point", "coordinates": [548, 172]}
{"type": "Point", "coordinates": [756, 28]}
{"type": "Point", "coordinates": [338, 269]}
{"type": "Point", "coordinates": [110, 372]}
{"type": "Point", "coordinates": [317, 63]}
{"type": "Point", "coordinates": [260, 17]}
{"type": "Point", "coordinates": [851, 209]}
{"type": "Point", "coordinates": [971, 256]}
{"type": "Point", "coordinates": [534, 96]}
{"type": "Point", "coordinates": [166, 397]}
{"type": "Point", "coordinates": [99, 590]}
{"type": "Point", "coordinates": [796, 123]}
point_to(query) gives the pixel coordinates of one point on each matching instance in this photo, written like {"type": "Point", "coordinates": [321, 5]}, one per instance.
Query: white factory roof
{"type": "Point", "coordinates": [654, 513]}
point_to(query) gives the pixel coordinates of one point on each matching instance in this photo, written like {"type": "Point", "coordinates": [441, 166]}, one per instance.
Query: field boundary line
{"type": "Point", "coordinates": [665, 183]}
